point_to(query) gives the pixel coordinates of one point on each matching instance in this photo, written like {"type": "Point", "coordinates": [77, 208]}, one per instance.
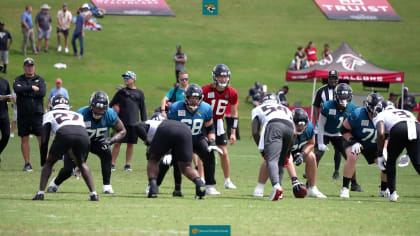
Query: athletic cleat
{"type": "Point", "coordinates": [127, 168]}
{"type": "Point", "coordinates": [200, 192]}
{"type": "Point", "coordinates": [229, 185]}
{"type": "Point", "coordinates": [344, 193]}
{"type": "Point", "coordinates": [153, 191]}
{"type": "Point", "coordinates": [107, 189]}
{"type": "Point", "coordinates": [277, 193]}
{"type": "Point", "coordinates": [52, 187]}
{"type": "Point", "coordinates": [393, 197]}
{"type": "Point", "coordinates": [146, 191]}
{"type": "Point", "coordinates": [112, 168]}
{"type": "Point", "coordinates": [66, 50]}
{"type": "Point", "coordinates": [336, 175]}
{"type": "Point", "coordinates": [94, 197]}
{"type": "Point", "coordinates": [38, 197]}
{"type": "Point", "coordinates": [211, 190]}
{"type": "Point", "coordinates": [177, 193]}
{"type": "Point", "coordinates": [384, 193]}
{"type": "Point", "coordinates": [356, 187]}
{"type": "Point", "coordinates": [27, 167]}
{"type": "Point", "coordinates": [258, 192]}
{"type": "Point", "coordinates": [315, 193]}
{"type": "Point", "coordinates": [403, 161]}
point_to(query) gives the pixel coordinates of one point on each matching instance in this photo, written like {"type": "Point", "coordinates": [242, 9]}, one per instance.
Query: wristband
{"type": "Point", "coordinates": [235, 123]}
{"type": "Point", "coordinates": [212, 142]}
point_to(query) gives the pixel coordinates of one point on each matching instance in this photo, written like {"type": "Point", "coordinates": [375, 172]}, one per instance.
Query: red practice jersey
{"type": "Point", "coordinates": [219, 101]}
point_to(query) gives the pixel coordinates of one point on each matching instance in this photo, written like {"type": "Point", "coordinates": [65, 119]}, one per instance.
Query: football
{"type": "Point", "coordinates": [300, 192]}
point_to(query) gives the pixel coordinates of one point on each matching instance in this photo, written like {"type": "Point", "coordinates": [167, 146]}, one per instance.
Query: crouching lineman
{"type": "Point", "coordinates": [360, 133]}
{"type": "Point", "coordinates": [71, 137]}
{"type": "Point", "coordinates": [162, 136]}
{"type": "Point", "coordinates": [275, 140]}
{"type": "Point", "coordinates": [98, 118]}
{"type": "Point", "coordinates": [404, 132]}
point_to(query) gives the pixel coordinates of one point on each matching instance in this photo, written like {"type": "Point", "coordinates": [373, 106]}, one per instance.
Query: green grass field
{"type": "Point", "coordinates": [257, 39]}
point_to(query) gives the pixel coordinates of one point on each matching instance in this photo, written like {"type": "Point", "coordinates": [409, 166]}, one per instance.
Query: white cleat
{"type": "Point", "coordinates": [229, 185]}
{"type": "Point", "coordinates": [315, 193]}
{"type": "Point", "coordinates": [211, 190]}
{"type": "Point", "coordinates": [384, 193]}
{"type": "Point", "coordinates": [258, 192]}
{"type": "Point", "coordinates": [107, 189]}
{"type": "Point", "coordinates": [147, 189]}
{"type": "Point", "coordinates": [345, 193]}
{"type": "Point", "coordinates": [393, 197]}
{"type": "Point", "coordinates": [403, 161]}
{"type": "Point", "coordinates": [277, 193]}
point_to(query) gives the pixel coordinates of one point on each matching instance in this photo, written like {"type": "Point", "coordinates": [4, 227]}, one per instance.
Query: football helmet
{"type": "Point", "coordinates": [300, 117]}
{"type": "Point", "coordinates": [98, 104]}
{"type": "Point", "coordinates": [343, 95]}
{"type": "Point", "coordinates": [221, 70]}
{"type": "Point", "coordinates": [158, 116]}
{"type": "Point", "coordinates": [332, 78]}
{"type": "Point", "coordinates": [59, 102]}
{"type": "Point", "coordinates": [372, 102]}
{"type": "Point", "coordinates": [270, 98]}
{"type": "Point", "coordinates": [193, 90]}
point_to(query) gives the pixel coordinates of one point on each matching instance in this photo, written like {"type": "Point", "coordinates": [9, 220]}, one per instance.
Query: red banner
{"type": "Point", "coordinates": [134, 7]}
{"type": "Point", "coordinates": [358, 10]}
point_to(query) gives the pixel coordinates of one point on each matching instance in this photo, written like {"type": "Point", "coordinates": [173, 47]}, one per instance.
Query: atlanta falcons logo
{"type": "Point", "coordinates": [349, 61]}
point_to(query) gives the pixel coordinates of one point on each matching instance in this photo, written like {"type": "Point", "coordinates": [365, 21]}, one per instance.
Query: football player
{"type": "Point", "coordinates": [98, 118]}
{"type": "Point", "coordinates": [275, 138]}
{"type": "Point", "coordinates": [161, 137]}
{"type": "Point", "coordinates": [360, 133]}
{"type": "Point", "coordinates": [333, 113]}
{"type": "Point", "coordinates": [219, 95]}
{"type": "Point", "coordinates": [404, 132]}
{"type": "Point", "coordinates": [71, 137]}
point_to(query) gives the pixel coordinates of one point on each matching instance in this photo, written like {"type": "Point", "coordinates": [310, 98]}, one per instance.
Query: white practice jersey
{"type": "Point", "coordinates": [60, 118]}
{"type": "Point", "coordinates": [154, 124]}
{"type": "Point", "coordinates": [268, 111]}
{"type": "Point", "coordinates": [393, 116]}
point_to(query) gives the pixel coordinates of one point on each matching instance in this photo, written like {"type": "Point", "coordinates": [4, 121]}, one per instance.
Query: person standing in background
{"type": "Point", "coordinates": [14, 118]}
{"type": "Point", "coordinates": [58, 90]}
{"type": "Point", "coordinates": [4, 114]}
{"type": "Point", "coordinates": [43, 25]}
{"type": "Point", "coordinates": [5, 36]}
{"type": "Point", "coordinates": [281, 95]}
{"type": "Point", "coordinates": [79, 33]}
{"type": "Point", "coordinates": [28, 30]}
{"type": "Point", "coordinates": [179, 58]}
{"type": "Point", "coordinates": [64, 18]}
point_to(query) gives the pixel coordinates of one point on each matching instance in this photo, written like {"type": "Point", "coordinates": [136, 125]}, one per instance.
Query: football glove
{"type": "Point", "coordinates": [356, 148]}
{"type": "Point", "coordinates": [167, 159]}
{"type": "Point", "coordinates": [322, 147]}
{"type": "Point", "coordinates": [105, 144]}
{"type": "Point", "coordinates": [298, 158]}
{"type": "Point", "coordinates": [382, 163]}
{"type": "Point", "coordinates": [213, 147]}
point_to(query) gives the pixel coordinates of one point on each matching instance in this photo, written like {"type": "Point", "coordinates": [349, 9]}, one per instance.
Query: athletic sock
{"type": "Point", "coordinates": [40, 192]}
{"type": "Point", "coordinates": [346, 182]}
{"type": "Point", "coordinates": [177, 187]}
{"type": "Point", "coordinates": [93, 193]}
{"type": "Point", "coordinates": [260, 185]}
{"type": "Point", "coordinates": [383, 186]}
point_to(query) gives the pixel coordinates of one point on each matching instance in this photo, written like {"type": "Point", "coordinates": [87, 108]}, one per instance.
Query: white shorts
{"type": "Point", "coordinates": [4, 56]}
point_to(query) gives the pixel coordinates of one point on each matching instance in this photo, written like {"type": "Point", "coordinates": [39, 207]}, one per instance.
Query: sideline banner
{"type": "Point", "coordinates": [373, 10]}
{"type": "Point", "coordinates": [135, 7]}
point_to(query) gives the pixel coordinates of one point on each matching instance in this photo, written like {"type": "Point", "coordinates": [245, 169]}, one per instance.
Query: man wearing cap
{"type": "Point", "coordinates": [79, 33]}
{"type": "Point", "coordinates": [393, 98]}
{"type": "Point", "coordinates": [409, 101]}
{"type": "Point", "coordinates": [58, 90]}
{"type": "Point", "coordinates": [130, 101]}
{"type": "Point", "coordinates": [64, 18]}
{"type": "Point", "coordinates": [27, 30]}
{"type": "Point", "coordinates": [5, 37]}
{"type": "Point", "coordinates": [179, 58]}
{"type": "Point", "coordinates": [43, 25]}
{"type": "Point", "coordinates": [30, 89]}
{"type": "Point", "coordinates": [5, 96]}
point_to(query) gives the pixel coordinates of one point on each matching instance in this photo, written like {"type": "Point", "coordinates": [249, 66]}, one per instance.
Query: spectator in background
{"type": "Point", "coordinates": [30, 89]}
{"type": "Point", "coordinates": [175, 94]}
{"type": "Point", "coordinates": [281, 95]}
{"type": "Point", "coordinates": [310, 50]}
{"type": "Point", "coordinates": [43, 24]}
{"type": "Point", "coordinates": [58, 90]}
{"type": "Point", "coordinates": [301, 59]}
{"type": "Point", "coordinates": [393, 98]}
{"type": "Point", "coordinates": [79, 33]}
{"type": "Point", "coordinates": [5, 37]}
{"type": "Point", "coordinates": [179, 58]}
{"type": "Point", "coordinates": [14, 117]}
{"type": "Point", "coordinates": [256, 93]}
{"type": "Point", "coordinates": [27, 30]}
{"type": "Point", "coordinates": [64, 18]}
{"type": "Point", "coordinates": [409, 101]}
{"type": "Point", "coordinates": [4, 114]}
{"type": "Point", "coordinates": [130, 101]}
{"type": "Point", "coordinates": [327, 52]}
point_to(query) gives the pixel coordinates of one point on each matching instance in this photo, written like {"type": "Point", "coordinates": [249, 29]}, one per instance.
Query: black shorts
{"type": "Point", "coordinates": [73, 140]}
{"type": "Point", "coordinates": [336, 141]}
{"type": "Point", "coordinates": [370, 155]}
{"type": "Point", "coordinates": [65, 32]}
{"type": "Point", "coordinates": [221, 140]}
{"type": "Point", "coordinates": [29, 124]}
{"type": "Point", "coordinates": [131, 136]}
{"type": "Point", "coordinates": [173, 135]}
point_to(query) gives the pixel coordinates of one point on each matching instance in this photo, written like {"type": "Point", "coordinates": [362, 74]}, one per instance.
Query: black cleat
{"type": "Point", "coordinates": [94, 197]}
{"type": "Point", "coordinates": [355, 187]}
{"type": "Point", "coordinates": [153, 191]}
{"type": "Point", "coordinates": [336, 175]}
{"type": "Point", "coordinates": [177, 193]}
{"type": "Point", "coordinates": [200, 192]}
{"type": "Point", "coordinates": [38, 197]}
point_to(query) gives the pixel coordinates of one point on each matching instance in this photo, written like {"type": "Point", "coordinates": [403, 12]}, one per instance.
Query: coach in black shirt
{"type": "Point", "coordinates": [5, 96]}
{"type": "Point", "coordinates": [129, 101]}
{"type": "Point", "coordinates": [30, 89]}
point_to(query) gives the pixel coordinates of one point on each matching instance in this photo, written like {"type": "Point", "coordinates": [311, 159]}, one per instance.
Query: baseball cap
{"type": "Point", "coordinates": [392, 94]}
{"type": "Point", "coordinates": [178, 46]}
{"type": "Point", "coordinates": [28, 62]}
{"type": "Point", "coordinates": [333, 74]}
{"type": "Point", "coordinates": [85, 6]}
{"type": "Point", "coordinates": [129, 74]}
{"type": "Point", "coordinates": [58, 81]}
{"type": "Point", "coordinates": [65, 5]}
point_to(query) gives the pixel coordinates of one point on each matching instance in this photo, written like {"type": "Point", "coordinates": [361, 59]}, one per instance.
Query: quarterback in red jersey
{"type": "Point", "coordinates": [220, 95]}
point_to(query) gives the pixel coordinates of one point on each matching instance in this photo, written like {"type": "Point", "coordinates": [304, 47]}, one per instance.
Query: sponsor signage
{"type": "Point", "coordinates": [374, 10]}
{"type": "Point", "coordinates": [135, 7]}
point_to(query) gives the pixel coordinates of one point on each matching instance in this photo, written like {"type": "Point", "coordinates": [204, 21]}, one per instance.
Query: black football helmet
{"type": "Point", "coordinates": [300, 117]}
{"type": "Point", "coordinates": [343, 95]}
{"type": "Point", "coordinates": [372, 102]}
{"type": "Point", "coordinates": [270, 98]}
{"type": "Point", "coordinates": [193, 90]}
{"type": "Point", "coordinates": [332, 78]}
{"type": "Point", "coordinates": [221, 70]}
{"type": "Point", "coordinates": [59, 102]}
{"type": "Point", "coordinates": [98, 100]}
{"type": "Point", "coordinates": [158, 116]}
